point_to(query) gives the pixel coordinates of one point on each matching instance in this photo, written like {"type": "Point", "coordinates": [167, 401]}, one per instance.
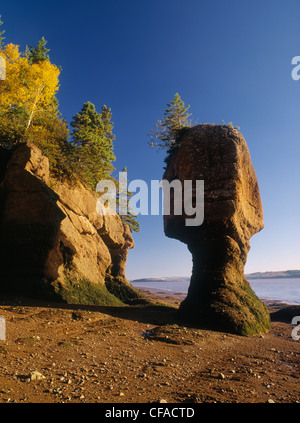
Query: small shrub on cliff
{"type": "Point", "coordinates": [230, 125]}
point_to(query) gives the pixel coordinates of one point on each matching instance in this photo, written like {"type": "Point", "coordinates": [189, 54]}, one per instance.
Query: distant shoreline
{"type": "Point", "coordinates": [290, 274]}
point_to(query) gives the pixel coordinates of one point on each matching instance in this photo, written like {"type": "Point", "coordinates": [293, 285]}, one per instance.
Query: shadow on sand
{"type": "Point", "coordinates": [143, 311]}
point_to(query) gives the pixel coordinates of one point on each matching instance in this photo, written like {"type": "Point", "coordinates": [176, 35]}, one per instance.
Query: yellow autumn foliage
{"type": "Point", "coordinates": [28, 108]}
{"type": "Point", "coordinates": [30, 86]}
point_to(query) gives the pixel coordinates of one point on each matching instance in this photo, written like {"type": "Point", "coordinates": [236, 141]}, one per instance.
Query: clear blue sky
{"type": "Point", "coordinates": [230, 60]}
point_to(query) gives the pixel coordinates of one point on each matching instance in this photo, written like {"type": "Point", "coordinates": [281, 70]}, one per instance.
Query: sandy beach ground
{"type": "Point", "coordinates": [56, 353]}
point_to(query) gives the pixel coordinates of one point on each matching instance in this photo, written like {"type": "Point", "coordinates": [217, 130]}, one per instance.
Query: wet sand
{"type": "Point", "coordinates": [56, 353]}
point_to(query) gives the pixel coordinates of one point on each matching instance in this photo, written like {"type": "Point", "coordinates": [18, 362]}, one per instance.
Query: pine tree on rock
{"type": "Point", "coordinates": [166, 131]}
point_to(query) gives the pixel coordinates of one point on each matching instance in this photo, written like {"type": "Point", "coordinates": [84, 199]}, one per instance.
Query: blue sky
{"type": "Point", "coordinates": [230, 61]}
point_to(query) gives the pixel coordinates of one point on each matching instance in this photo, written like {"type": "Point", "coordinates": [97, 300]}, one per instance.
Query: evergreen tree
{"type": "Point", "coordinates": [108, 125]}
{"type": "Point", "coordinates": [92, 138]}
{"type": "Point", "coordinates": [130, 218]}
{"type": "Point", "coordinates": [37, 54]}
{"type": "Point", "coordinates": [167, 130]}
{"type": "Point", "coordinates": [1, 33]}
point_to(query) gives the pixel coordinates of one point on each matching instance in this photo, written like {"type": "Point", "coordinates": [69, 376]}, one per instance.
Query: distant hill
{"type": "Point", "coordinates": [274, 275]}
{"type": "Point", "coordinates": [165, 279]}
{"type": "Point", "coordinates": [256, 275]}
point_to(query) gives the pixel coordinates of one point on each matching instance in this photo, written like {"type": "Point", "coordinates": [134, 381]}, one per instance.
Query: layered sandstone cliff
{"type": "Point", "coordinates": [219, 295]}
{"type": "Point", "coordinates": [53, 241]}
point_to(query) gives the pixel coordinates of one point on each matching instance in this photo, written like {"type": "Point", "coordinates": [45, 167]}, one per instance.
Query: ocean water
{"type": "Point", "coordinates": [284, 290]}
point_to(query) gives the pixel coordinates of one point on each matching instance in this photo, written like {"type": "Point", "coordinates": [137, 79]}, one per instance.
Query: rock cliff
{"type": "Point", "coordinates": [53, 241]}
{"type": "Point", "coordinates": [219, 295]}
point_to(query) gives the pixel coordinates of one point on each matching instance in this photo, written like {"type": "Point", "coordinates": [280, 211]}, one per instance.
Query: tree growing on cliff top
{"type": "Point", "coordinates": [165, 133]}
{"type": "Point", "coordinates": [29, 86]}
{"type": "Point", "coordinates": [92, 139]}
{"type": "Point", "coordinates": [29, 110]}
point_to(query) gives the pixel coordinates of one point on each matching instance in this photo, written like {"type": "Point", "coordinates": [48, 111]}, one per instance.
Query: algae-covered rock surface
{"type": "Point", "coordinates": [53, 241]}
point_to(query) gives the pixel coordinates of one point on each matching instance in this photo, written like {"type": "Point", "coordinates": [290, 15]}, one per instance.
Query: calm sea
{"type": "Point", "coordinates": [285, 290]}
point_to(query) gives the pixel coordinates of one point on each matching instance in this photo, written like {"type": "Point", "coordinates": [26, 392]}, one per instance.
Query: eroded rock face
{"type": "Point", "coordinates": [52, 237]}
{"type": "Point", "coordinates": [219, 295]}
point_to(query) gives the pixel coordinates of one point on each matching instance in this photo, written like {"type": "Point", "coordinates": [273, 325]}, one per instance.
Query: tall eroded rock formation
{"type": "Point", "coordinates": [219, 295]}
{"type": "Point", "coordinates": [53, 241]}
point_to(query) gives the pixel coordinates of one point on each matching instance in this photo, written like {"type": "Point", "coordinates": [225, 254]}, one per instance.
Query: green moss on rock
{"type": "Point", "coordinates": [122, 289]}
{"type": "Point", "coordinates": [83, 291]}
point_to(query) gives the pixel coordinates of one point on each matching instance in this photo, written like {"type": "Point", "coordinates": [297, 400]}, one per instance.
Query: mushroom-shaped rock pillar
{"type": "Point", "coordinates": [219, 295]}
